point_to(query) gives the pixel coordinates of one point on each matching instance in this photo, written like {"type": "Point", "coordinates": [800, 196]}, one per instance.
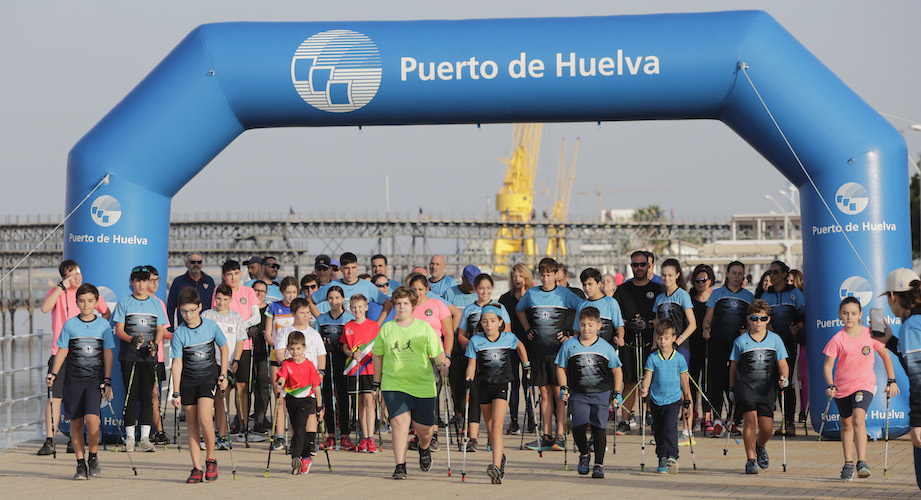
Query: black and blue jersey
{"type": "Point", "coordinates": [730, 310]}
{"type": "Point", "coordinates": [547, 312]}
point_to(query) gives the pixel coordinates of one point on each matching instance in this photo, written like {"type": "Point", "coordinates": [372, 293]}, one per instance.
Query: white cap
{"type": "Point", "coordinates": [900, 280]}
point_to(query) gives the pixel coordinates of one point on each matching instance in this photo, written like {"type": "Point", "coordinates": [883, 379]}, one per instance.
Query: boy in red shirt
{"type": "Point", "coordinates": [301, 382]}
{"type": "Point", "coordinates": [357, 341]}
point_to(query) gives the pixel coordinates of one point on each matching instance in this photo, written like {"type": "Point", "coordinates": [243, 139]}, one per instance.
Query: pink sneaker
{"type": "Point", "coordinates": [717, 429]}
{"type": "Point", "coordinates": [305, 465]}
{"type": "Point", "coordinates": [345, 444]}
{"type": "Point", "coordinates": [372, 446]}
{"type": "Point", "coordinates": [362, 446]}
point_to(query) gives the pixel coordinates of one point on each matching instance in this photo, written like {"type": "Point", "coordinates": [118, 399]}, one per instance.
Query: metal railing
{"type": "Point", "coordinates": [23, 388]}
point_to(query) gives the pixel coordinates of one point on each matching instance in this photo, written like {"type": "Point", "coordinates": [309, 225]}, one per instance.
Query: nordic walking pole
{"type": "Point", "coordinates": [130, 460]}
{"type": "Point", "coordinates": [886, 459]}
{"type": "Point", "coordinates": [783, 434]}
{"type": "Point", "coordinates": [540, 423]}
{"type": "Point", "coordinates": [614, 435]}
{"type": "Point", "coordinates": [233, 467]}
{"type": "Point", "coordinates": [643, 433]}
{"type": "Point", "coordinates": [565, 434]}
{"type": "Point", "coordinates": [332, 384]}
{"type": "Point", "coordinates": [159, 393]}
{"type": "Point", "coordinates": [466, 428]}
{"type": "Point", "coordinates": [239, 399]}
{"type": "Point", "coordinates": [274, 420]}
{"type": "Point", "coordinates": [690, 431]}
{"type": "Point", "coordinates": [824, 417]}
{"type": "Point", "coordinates": [125, 408]}
{"type": "Point", "coordinates": [322, 427]}
{"type": "Point", "coordinates": [54, 449]}
{"type": "Point", "coordinates": [728, 432]}
{"type": "Point", "coordinates": [444, 391]}
{"type": "Point", "coordinates": [528, 405]}
{"type": "Point", "coordinates": [169, 389]}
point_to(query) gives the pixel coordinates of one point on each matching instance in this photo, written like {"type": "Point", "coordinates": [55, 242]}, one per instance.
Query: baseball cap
{"type": "Point", "coordinates": [322, 261]}
{"type": "Point", "coordinates": [334, 262]}
{"type": "Point", "coordinates": [900, 280]}
{"type": "Point", "coordinates": [471, 272]}
{"type": "Point", "coordinates": [255, 259]}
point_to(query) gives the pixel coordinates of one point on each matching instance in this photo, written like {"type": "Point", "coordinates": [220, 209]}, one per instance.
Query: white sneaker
{"type": "Point", "coordinates": [145, 445]}
{"type": "Point", "coordinates": [129, 445]}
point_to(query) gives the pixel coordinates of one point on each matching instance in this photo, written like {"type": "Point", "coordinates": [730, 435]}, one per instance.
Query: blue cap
{"type": "Point", "coordinates": [491, 309]}
{"type": "Point", "coordinates": [471, 272]}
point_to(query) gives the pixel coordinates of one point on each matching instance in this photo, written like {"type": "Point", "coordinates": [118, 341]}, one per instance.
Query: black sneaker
{"type": "Point", "coordinates": [802, 417]}
{"type": "Point", "coordinates": [502, 467]}
{"type": "Point", "coordinates": [513, 428]}
{"type": "Point", "coordinates": [598, 471]}
{"type": "Point", "coordinates": [235, 426]}
{"type": "Point", "coordinates": [425, 459]}
{"type": "Point", "coordinates": [93, 466]}
{"type": "Point", "coordinates": [863, 470]}
{"type": "Point", "coordinates": [70, 446]}
{"type": "Point", "coordinates": [494, 474]}
{"type": "Point", "coordinates": [400, 471]}
{"type": "Point", "coordinates": [47, 448]}
{"type": "Point", "coordinates": [847, 472]}
{"type": "Point", "coordinates": [531, 426]}
{"type": "Point", "coordinates": [81, 471]}
{"type": "Point", "coordinates": [159, 438]}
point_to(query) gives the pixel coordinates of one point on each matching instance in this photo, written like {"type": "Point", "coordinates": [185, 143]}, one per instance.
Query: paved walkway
{"type": "Point", "coordinates": [813, 468]}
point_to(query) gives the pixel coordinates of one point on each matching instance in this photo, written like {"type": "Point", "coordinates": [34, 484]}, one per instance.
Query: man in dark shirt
{"type": "Point", "coordinates": [193, 278]}
{"type": "Point", "coordinates": [636, 298]}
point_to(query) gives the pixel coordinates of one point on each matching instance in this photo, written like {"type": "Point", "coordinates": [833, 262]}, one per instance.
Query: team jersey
{"type": "Point", "coordinates": [375, 310]}
{"type": "Point", "coordinates": [471, 317]}
{"type": "Point", "coordinates": [440, 287]}
{"type": "Point", "coordinates": [546, 313]}
{"type": "Point", "coordinates": [611, 318]}
{"type": "Point", "coordinates": [64, 309]}
{"type": "Point", "coordinates": [638, 300]}
{"type": "Point", "coordinates": [231, 325]}
{"type": "Point", "coordinates": [272, 294]}
{"type": "Point", "coordinates": [665, 388]}
{"type": "Point", "coordinates": [407, 353]}
{"type": "Point", "coordinates": [301, 379]}
{"type": "Point", "coordinates": [493, 358]}
{"type": "Point", "coordinates": [756, 371]}
{"type": "Point", "coordinates": [360, 339]}
{"type": "Point", "coordinates": [672, 307]}
{"type": "Point", "coordinates": [330, 328]}
{"type": "Point", "coordinates": [85, 342]}
{"type": "Point", "coordinates": [141, 319]}
{"type": "Point", "coordinates": [281, 315]}
{"type": "Point", "coordinates": [313, 344]}
{"type": "Point", "coordinates": [787, 308]}
{"type": "Point", "coordinates": [730, 310]}
{"type": "Point", "coordinates": [854, 368]}
{"type": "Point", "coordinates": [910, 349]}
{"type": "Point", "coordinates": [432, 311]}
{"type": "Point", "coordinates": [588, 368]}
{"type": "Point", "coordinates": [364, 287]}
{"type": "Point", "coordinates": [196, 348]}
{"type": "Point", "coordinates": [456, 297]}
{"type": "Point", "coordinates": [244, 303]}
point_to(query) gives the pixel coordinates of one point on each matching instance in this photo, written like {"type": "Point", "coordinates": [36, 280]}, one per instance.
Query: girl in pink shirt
{"type": "Point", "coordinates": [854, 382]}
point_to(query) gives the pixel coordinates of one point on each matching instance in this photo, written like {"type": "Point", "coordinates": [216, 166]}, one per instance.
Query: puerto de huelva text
{"type": "Point", "coordinates": [853, 227]}
{"type": "Point", "coordinates": [566, 65]}
{"type": "Point", "coordinates": [117, 239]}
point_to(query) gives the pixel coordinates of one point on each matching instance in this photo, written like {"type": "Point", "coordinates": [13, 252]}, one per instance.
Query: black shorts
{"type": "Point", "coordinates": [364, 383]}
{"type": "Point", "coordinates": [762, 409]}
{"type": "Point", "coordinates": [190, 393]}
{"type": "Point", "coordinates": [161, 372]}
{"type": "Point", "coordinates": [242, 374]}
{"type": "Point", "coordinates": [421, 409]}
{"type": "Point", "coordinates": [489, 392]}
{"type": "Point", "coordinates": [309, 402]}
{"type": "Point", "coordinates": [81, 400]}
{"type": "Point", "coordinates": [543, 372]}
{"type": "Point", "coordinates": [847, 404]}
{"type": "Point", "coordinates": [57, 387]}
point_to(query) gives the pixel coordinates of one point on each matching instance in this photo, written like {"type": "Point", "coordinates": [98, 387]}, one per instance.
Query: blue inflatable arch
{"type": "Point", "coordinates": [223, 79]}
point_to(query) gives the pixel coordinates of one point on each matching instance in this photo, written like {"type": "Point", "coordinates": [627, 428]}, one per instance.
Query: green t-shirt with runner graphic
{"type": "Point", "coordinates": [406, 358]}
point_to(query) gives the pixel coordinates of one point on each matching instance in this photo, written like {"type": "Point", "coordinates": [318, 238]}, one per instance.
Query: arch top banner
{"type": "Point", "coordinates": [223, 79]}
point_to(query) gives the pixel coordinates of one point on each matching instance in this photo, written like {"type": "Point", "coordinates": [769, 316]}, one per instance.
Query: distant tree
{"type": "Point", "coordinates": [651, 213]}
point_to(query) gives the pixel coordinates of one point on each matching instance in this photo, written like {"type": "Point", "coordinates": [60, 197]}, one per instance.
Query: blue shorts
{"type": "Point", "coordinates": [81, 400]}
{"type": "Point", "coordinates": [590, 409]}
{"type": "Point", "coordinates": [422, 410]}
{"type": "Point", "coordinates": [847, 404]}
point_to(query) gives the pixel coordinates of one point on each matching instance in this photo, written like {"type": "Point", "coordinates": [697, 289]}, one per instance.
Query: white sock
{"type": "Point", "coordinates": [145, 431]}
{"type": "Point", "coordinates": [129, 431]}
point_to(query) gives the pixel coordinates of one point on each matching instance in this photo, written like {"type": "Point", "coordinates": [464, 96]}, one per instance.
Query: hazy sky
{"type": "Point", "coordinates": [65, 64]}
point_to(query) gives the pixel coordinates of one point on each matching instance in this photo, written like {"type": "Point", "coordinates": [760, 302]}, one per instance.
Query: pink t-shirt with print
{"type": "Point", "coordinates": [854, 369]}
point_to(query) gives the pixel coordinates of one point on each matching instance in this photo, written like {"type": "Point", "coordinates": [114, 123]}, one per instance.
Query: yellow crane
{"type": "Point", "coordinates": [515, 200]}
{"type": "Point", "coordinates": [565, 176]}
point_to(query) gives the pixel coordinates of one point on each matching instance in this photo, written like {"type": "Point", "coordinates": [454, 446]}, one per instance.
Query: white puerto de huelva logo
{"type": "Point", "coordinates": [856, 287]}
{"type": "Point", "coordinates": [337, 70]}
{"type": "Point", "coordinates": [852, 198]}
{"type": "Point", "coordinates": [106, 210]}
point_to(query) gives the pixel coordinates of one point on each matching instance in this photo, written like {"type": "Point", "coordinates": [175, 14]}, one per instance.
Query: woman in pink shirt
{"type": "Point", "coordinates": [854, 382]}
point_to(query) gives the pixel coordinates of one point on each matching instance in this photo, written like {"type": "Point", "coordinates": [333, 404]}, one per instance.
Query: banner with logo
{"type": "Point", "coordinates": [738, 67]}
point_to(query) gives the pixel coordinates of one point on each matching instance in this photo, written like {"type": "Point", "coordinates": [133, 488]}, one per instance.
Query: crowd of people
{"type": "Point", "coordinates": [343, 353]}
